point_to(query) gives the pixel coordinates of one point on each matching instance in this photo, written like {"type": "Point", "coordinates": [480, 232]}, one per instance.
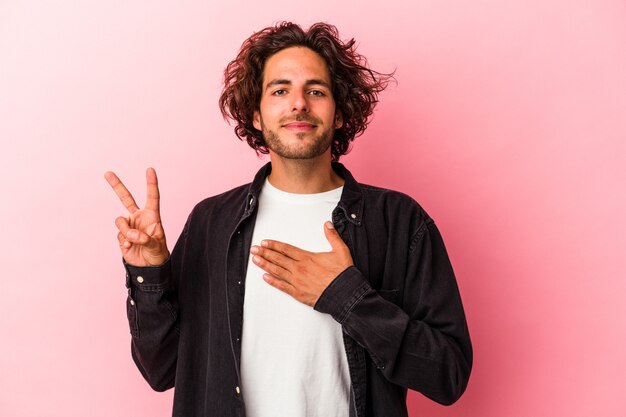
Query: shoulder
{"type": "Point", "coordinates": [393, 201]}
{"type": "Point", "coordinates": [403, 216]}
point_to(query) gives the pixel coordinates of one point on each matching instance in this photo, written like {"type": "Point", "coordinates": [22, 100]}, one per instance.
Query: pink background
{"type": "Point", "coordinates": [507, 124]}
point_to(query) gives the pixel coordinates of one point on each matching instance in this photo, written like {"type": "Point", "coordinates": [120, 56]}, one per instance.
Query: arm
{"type": "Point", "coordinates": [425, 346]}
{"type": "Point", "coordinates": [151, 305]}
{"type": "Point", "coordinates": [152, 312]}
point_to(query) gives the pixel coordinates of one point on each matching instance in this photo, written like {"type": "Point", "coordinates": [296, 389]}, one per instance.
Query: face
{"type": "Point", "coordinates": [297, 111]}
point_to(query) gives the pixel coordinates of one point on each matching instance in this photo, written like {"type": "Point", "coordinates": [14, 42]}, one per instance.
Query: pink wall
{"type": "Point", "coordinates": [507, 124]}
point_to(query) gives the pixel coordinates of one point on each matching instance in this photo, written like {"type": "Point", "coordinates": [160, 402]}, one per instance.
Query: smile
{"type": "Point", "coordinates": [299, 126]}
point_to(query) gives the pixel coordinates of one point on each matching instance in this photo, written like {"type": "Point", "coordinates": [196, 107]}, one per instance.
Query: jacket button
{"type": "Point", "coordinates": [353, 216]}
{"type": "Point", "coordinates": [140, 279]}
{"type": "Point", "coordinates": [237, 390]}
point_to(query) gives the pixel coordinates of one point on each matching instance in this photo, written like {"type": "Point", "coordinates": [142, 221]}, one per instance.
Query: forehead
{"type": "Point", "coordinates": [295, 63]}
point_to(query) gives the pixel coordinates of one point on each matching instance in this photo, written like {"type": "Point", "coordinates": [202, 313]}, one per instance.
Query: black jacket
{"type": "Point", "coordinates": [399, 305]}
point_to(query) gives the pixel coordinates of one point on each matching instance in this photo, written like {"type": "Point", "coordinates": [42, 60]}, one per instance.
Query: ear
{"type": "Point", "coordinates": [338, 120]}
{"type": "Point", "coordinates": [256, 120]}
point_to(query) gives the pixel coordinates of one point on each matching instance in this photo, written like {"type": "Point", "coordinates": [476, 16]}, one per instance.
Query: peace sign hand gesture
{"type": "Point", "coordinates": [141, 235]}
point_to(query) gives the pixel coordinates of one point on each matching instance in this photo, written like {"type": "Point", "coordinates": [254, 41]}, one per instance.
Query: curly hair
{"type": "Point", "coordinates": [355, 87]}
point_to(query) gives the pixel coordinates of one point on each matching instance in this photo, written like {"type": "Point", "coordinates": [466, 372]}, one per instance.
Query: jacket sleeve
{"type": "Point", "coordinates": [423, 345]}
{"type": "Point", "coordinates": [152, 316]}
{"type": "Point", "coordinates": [152, 309]}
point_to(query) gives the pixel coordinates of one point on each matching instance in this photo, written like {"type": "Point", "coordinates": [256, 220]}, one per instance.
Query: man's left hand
{"type": "Point", "coordinates": [302, 274]}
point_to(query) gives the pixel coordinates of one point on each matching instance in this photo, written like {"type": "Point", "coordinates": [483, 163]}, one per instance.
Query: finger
{"type": "Point", "coordinates": [138, 237]}
{"type": "Point", "coordinates": [122, 192]}
{"type": "Point", "coordinates": [124, 244]}
{"type": "Point", "coordinates": [280, 284]}
{"type": "Point", "coordinates": [133, 236]}
{"type": "Point", "coordinates": [333, 237]}
{"type": "Point", "coordinates": [122, 225]}
{"type": "Point", "coordinates": [152, 182]}
{"type": "Point", "coordinates": [273, 256]}
{"type": "Point", "coordinates": [273, 269]}
{"type": "Point", "coordinates": [286, 249]}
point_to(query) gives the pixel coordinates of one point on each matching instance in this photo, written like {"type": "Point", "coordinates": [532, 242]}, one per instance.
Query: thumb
{"type": "Point", "coordinates": [332, 235]}
{"type": "Point", "coordinates": [138, 237]}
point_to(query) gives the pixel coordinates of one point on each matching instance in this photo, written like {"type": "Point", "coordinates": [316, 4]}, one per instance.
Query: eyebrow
{"type": "Point", "coordinates": [283, 81]}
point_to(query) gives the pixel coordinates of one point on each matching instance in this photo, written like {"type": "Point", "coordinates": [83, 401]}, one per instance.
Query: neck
{"type": "Point", "coordinates": [304, 176]}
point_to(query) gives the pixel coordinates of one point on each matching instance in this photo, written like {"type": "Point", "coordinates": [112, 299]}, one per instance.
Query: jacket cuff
{"type": "Point", "coordinates": [147, 277]}
{"type": "Point", "coordinates": [342, 294]}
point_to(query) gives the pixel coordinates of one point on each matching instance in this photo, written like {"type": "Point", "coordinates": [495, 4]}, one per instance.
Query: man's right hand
{"type": "Point", "coordinates": [141, 236]}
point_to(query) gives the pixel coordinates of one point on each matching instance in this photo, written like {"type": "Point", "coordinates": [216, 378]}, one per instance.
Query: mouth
{"type": "Point", "coordinates": [300, 126]}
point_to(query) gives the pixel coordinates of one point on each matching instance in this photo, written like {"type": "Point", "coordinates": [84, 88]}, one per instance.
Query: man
{"type": "Point", "coordinates": [303, 293]}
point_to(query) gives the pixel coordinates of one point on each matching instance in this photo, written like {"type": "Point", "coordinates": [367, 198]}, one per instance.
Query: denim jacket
{"type": "Point", "coordinates": [399, 305]}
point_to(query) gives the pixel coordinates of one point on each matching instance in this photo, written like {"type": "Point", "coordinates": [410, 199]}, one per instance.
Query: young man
{"type": "Point", "coordinates": [303, 293]}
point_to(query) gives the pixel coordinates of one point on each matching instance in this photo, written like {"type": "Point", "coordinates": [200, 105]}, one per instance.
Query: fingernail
{"type": "Point", "coordinates": [132, 234]}
{"type": "Point", "coordinates": [254, 249]}
{"type": "Point", "coordinates": [263, 243]}
{"type": "Point", "coordinates": [329, 225]}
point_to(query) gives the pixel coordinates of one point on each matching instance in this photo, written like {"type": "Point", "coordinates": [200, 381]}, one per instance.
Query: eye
{"type": "Point", "coordinates": [279, 92]}
{"type": "Point", "coordinates": [316, 93]}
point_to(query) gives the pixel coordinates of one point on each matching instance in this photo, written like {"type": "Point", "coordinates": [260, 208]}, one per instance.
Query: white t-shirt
{"type": "Point", "coordinates": [293, 361]}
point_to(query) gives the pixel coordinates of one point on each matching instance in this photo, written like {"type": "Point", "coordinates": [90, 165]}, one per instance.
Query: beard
{"type": "Point", "coordinates": [300, 150]}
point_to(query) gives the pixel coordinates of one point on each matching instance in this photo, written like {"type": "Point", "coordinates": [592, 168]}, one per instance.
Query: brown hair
{"type": "Point", "coordinates": [355, 87]}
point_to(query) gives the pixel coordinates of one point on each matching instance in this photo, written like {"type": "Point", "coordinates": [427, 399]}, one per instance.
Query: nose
{"type": "Point", "coordinates": [299, 102]}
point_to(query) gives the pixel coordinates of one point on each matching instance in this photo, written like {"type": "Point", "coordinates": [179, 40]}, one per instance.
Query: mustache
{"type": "Point", "coordinates": [300, 118]}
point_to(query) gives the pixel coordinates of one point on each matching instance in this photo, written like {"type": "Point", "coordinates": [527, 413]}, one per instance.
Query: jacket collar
{"type": "Point", "coordinates": [351, 201]}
